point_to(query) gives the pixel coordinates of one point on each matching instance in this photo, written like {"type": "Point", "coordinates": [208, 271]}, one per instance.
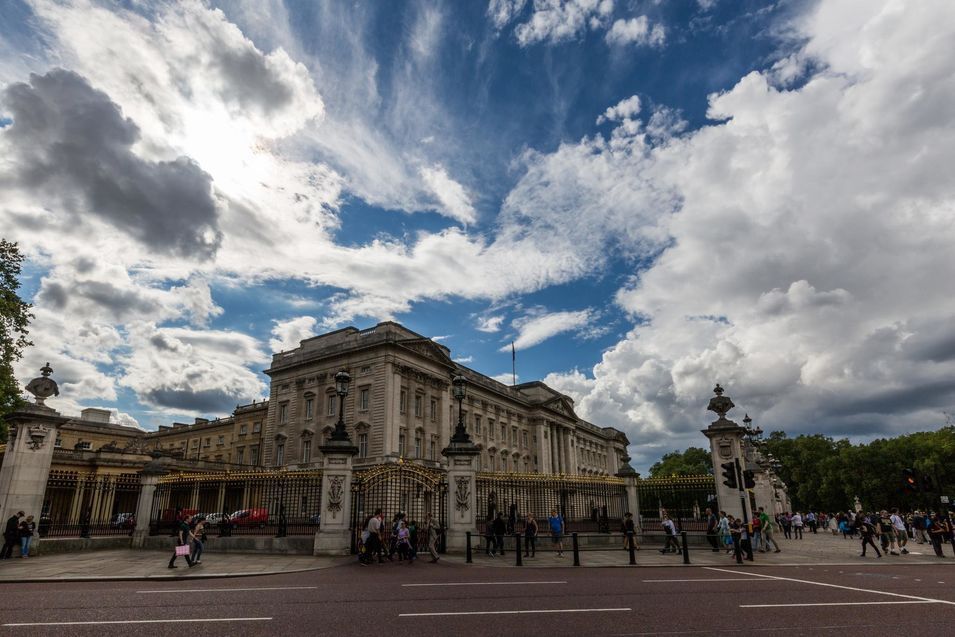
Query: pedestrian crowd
{"type": "Point", "coordinates": [892, 530]}
{"type": "Point", "coordinates": [405, 539]}
{"type": "Point", "coordinates": [17, 535]}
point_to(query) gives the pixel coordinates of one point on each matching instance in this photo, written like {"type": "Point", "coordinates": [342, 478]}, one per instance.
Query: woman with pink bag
{"type": "Point", "coordinates": [182, 542]}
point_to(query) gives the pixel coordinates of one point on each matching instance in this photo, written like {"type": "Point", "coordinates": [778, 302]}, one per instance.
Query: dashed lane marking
{"type": "Point", "coordinates": [481, 583]}
{"type": "Point", "coordinates": [179, 591]}
{"type": "Point", "coordinates": [520, 612]}
{"type": "Point", "coordinates": [177, 620]}
{"type": "Point", "coordinates": [908, 601]}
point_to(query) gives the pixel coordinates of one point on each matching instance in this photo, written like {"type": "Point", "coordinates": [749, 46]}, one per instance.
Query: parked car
{"type": "Point", "coordinates": [213, 518]}
{"type": "Point", "coordinates": [250, 517]}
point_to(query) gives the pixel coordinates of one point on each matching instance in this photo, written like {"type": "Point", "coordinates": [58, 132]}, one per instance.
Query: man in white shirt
{"type": "Point", "coordinates": [898, 525]}
{"type": "Point", "coordinates": [669, 528]}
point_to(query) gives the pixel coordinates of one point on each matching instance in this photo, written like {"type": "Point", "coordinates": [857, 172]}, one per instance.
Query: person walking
{"type": "Point", "coordinates": [797, 525]}
{"type": "Point", "coordinates": [766, 528]}
{"type": "Point", "coordinates": [372, 538]}
{"type": "Point", "coordinates": [757, 535]}
{"type": "Point", "coordinates": [27, 529]}
{"type": "Point", "coordinates": [403, 542]}
{"type": "Point", "coordinates": [736, 531]}
{"type": "Point", "coordinates": [431, 531]}
{"type": "Point", "coordinates": [712, 530]}
{"type": "Point", "coordinates": [786, 522]}
{"type": "Point", "coordinates": [489, 536]}
{"type": "Point", "coordinates": [198, 537]}
{"type": "Point", "coordinates": [898, 527]}
{"type": "Point", "coordinates": [530, 536]}
{"type": "Point", "coordinates": [11, 535]}
{"type": "Point", "coordinates": [556, 523]}
{"type": "Point", "coordinates": [936, 534]}
{"type": "Point", "coordinates": [811, 522]}
{"type": "Point", "coordinates": [182, 539]}
{"type": "Point", "coordinates": [866, 532]}
{"type": "Point", "coordinates": [500, 528]}
{"type": "Point", "coordinates": [726, 538]}
{"type": "Point", "coordinates": [669, 530]}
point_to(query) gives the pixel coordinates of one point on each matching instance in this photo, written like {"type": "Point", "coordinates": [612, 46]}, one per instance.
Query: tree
{"type": "Point", "coordinates": [693, 461]}
{"type": "Point", "coordinates": [14, 318]}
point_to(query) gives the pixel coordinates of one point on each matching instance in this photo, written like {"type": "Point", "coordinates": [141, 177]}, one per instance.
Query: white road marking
{"type": "Point", "coordinates": [908, 601]}
{"type": "Point", "coordinates": [481, 583]}
{"type": "Point", "coordinates": [703, 579]}
{"type": "Point", "coordinates": [520, 612]}
{"type": "Point", "coordinates": [177, 620]}
{"type": "Point", "coordinates": [847, 588]}
{"type": "Point", "coordinates": [227, 590]}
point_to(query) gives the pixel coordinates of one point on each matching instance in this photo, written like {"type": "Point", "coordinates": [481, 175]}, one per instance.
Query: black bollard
{"type": "Point", "coordinates": [631, 540]}
{"type": "Point", "coordinates": [517, 549]}
{"type": "Point", "coordinates": [468, 546]}
{"type": "Point", "coordinates": [686, 549]}
{"type": "Point", "coordinates": [576, 549]}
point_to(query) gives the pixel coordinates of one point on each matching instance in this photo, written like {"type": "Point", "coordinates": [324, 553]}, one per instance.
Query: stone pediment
{"type": "Point", "coordinates": [427, 348]}
{"type": "Point", "coordinates": [562, 406]}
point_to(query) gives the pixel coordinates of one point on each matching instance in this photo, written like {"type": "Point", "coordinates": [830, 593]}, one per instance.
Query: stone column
{"type": "Point", "coordinates": [630, 480]}
{"type": "Point", "coordinates": [148, 481]}
{"type": "Point", "coordinates": [29, 452]}
{"type": "Point", "coordinates": [334, 534]}
{"type": "Point", "coordinates": [725, 447]}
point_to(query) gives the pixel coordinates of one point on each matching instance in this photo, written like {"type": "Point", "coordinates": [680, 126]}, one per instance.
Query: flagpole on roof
{"type": "Point", "coordinates": [513, 364]}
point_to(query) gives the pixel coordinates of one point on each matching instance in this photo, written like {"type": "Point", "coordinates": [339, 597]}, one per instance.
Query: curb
{"type": "Point", "coordinates": [153, 578]}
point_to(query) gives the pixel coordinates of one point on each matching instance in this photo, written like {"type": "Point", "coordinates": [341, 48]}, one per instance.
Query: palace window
{"type": "Point", "coordinates": [417, 447]}
{"type": "Point", "coordinates": [280, 454]}
{"type": "Point", "coordinates": [330, 405]}
{"type": "Point", "coordinates": [418, 406]}
{"type": "Point", "coordinates": [431, 450]}
{"type": "Point", "coordinates": [283, 413]}
{"type": "Point", "coordinates": [477, 424]}
{"type": "Point", "coordinates": [240, 455]}
{"type": "Point", "coordinates": [306, 451]}
{"type": "Point", "coordinates": [403, 401]}
{"type": "Point", "coordinates": [243, 429]}
{"type": "Point", "coordinates": [220, 441]}
{"type": "Point", "coordinates": [363, 395]}
{"type": "Point", "coordinates": [84, 446]}
{"type": "Point", "coordinates": [525, 438]}
{"type": "Point", "coordinates": [503, 433]}
{"type": "Point", "coordinates": [308, 408]}
{"type": "Point", "coordinates": [254, 455]}
{"type": "Point", "coordinates": [256, 427]}
{"type": "Point", "coordinates": [362, 445]}
{"type": "Point", "coordinates": [401, 444]}
{"type": "Point", "coordinates": [490, 429]}
{"type": "Point", "coordinates": [207, 442]}
{"type": "Point", "coordinates": [434, 410]}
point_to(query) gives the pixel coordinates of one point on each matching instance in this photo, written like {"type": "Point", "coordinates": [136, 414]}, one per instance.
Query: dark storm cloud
{"type": "Point", "coordinates": [71, 143]}
{"type": "Point", "coordinates": [207, 401]}
{"type": "Point", "coordinates": [120, 303]}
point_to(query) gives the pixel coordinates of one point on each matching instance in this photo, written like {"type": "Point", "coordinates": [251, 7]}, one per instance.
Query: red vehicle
{"type": "Point", "coordinates": [170, 516]}
{"type": "Point", "coordinates": [250, 517]}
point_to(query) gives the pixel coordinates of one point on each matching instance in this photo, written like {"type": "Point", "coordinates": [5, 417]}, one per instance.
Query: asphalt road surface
{"type": "Point", "coordinates": [424, 600]}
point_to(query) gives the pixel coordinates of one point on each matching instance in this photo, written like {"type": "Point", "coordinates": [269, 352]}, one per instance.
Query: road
{"type": "Point", "coordinates": [426, 600]}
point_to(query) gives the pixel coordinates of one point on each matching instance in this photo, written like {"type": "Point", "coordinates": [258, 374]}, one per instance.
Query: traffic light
{"type": "Point", "coordinates": [729, 475]}
{"type": "Point", "coordinates": [749, 479]}
{"type": "Point", "coordinates": [927, 486]}
{"type": "Point", "coordinates": [910, 483]}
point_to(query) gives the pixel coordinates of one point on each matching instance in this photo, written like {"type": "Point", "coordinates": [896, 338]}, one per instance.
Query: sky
{"type": "Point", "coordinates": [645, 197]}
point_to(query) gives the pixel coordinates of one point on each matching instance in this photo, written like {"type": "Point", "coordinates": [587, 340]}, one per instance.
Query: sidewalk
{"type": "Point", "coordinates": [140, 565]}
{"type": "Point", "coordinates": [813, 550]}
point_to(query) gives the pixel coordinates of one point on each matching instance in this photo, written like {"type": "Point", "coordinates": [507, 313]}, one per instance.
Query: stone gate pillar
{"type": "Point", "coordinates": [462, 476]}
{"type": "Point", "coordinates": [148, 481]}
{"type": "Point", "coordinates": [334, 534]}
{"type": "Point", "coordinates": [726, 446]}
{"type": "Point", "coordinates": [29, 454]}
{"type": "Point", "coordinates": [630, 480]}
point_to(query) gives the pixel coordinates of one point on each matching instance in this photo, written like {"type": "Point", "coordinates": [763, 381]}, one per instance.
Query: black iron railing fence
{"type": "Point", "coordinates": [585, 503]}
{"type": "Point", "coordinates": [88, 504]}
{"type": "Point", "coordinates": [266, 502]}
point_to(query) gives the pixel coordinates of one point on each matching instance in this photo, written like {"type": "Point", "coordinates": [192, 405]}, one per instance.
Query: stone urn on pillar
{"type": "Point", "coordinates": [726, 440]}
{"type": "Point", "coordinates": [334, 531]}
{"type": "Point", "coordinates": [462, 475]}
{"type": "Point", "coordinates": [29, 454]}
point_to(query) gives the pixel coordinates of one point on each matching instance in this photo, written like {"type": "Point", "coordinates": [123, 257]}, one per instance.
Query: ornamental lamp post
{"type": "Point", "coordinates": [459, 389]}
{"type": "Point", "coordinates": [341, 387]}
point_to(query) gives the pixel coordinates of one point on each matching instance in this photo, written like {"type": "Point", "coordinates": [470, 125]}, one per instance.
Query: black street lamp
{"type": "Point", "coordinates": [459, 388]}
{"type": "Point", "coordinates": [341, 386]}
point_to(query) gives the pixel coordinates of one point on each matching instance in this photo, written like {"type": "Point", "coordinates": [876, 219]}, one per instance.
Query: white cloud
{"type": "Point", "coordinates": [455, 201]}
{"type": "Point", "coordinates": [503, 12]}
{"type": "Point", "coordinates": [287, 335]}
{"type": "Point", "coordinates": [622, 110]}
{"type": "Point", "coordinates": [556, 20]}
{"type": "Point", "coordinates": [507, 379]}
{"type": "Point", "coordinates": [812, 284]}
{"type": "Point", "coordinates": [489, 324]}
{"type": "Point", "coordinates": [636, 31]}
{"type": "Point", "coordinates": [533, 330]}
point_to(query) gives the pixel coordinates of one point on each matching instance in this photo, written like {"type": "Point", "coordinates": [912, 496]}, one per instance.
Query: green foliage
{"type": "Point", "coordinates": [14, 318]}
{"type": "Point", "coordinates": [693, 461]}
{"type": "Point", "coordinates": [826, 474]}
